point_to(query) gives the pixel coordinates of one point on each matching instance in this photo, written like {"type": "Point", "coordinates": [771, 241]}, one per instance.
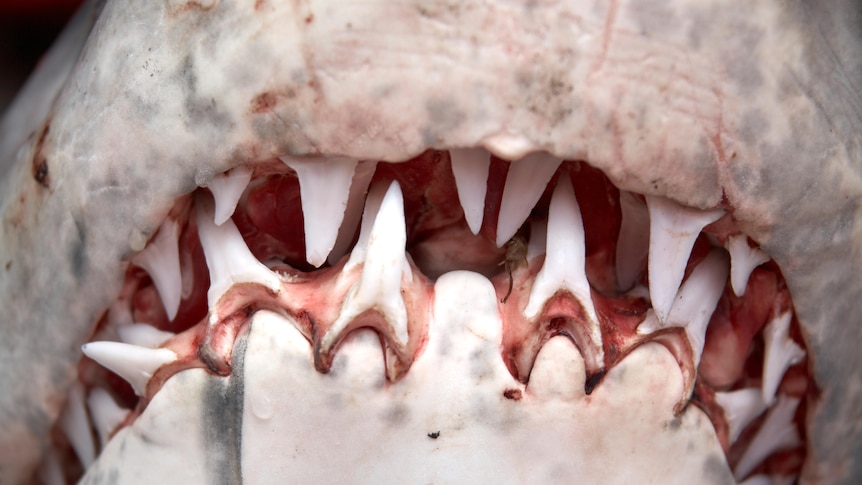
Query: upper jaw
{"type": "Point", "coordinates": [664, 103]}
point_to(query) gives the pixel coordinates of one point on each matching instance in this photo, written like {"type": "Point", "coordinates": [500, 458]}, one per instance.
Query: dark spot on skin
{"type": "Point", "coordinates": [202, 112]}
{"type": "Point", "coordinates": [309, 18]}
{"type": "Point", "coordinates": [434, 435]}
{"type": "Point", "coordinates": [513, 394]}
{"type": "Point", "coordinates": [78, 257]}
{"type": "Point", "coordinates": [444, 116]}
{"type": "Point", "coordinates": [674, 424]}
{"type": "Point", "coordinates": [40, 163]}
{"type": "Point", "coordinates": [40, 172]}
{"type": "Point", "coordinates": [753, 127]}
{"type": "Point", "coordinates": [654, 18]}
{"type": "Point", "coordinates": [8, 264]}
{"type": "Point", "coordinates": [222, 427]}
{"type": "Point", "coordinates": [263, 102]}
{"type": "Point", "coordinates": [593, 381]}
{"type": "Point", "coordinates": [395, 414]}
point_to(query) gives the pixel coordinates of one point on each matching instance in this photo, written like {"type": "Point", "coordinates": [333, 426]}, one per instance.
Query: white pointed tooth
{"type": "Point", "coordinates": [633, 243]}
{"type": "Point", "coordinates": [740, 408]}
{"type": "Point", "coordinates": [470, 167]}
{"type": "Point", "coordinates": [134, 364]}
{"type": "Point", "coordinates": [385, 265]}
{"type": "Point", "coordinates": [778, 432]}
{"type": "Point", "coordinates": [228, 258]}
{"type": "Point", "coordinates": [324, 187]}
{"type": "Point", "coordinates": [696, 300]}
{"type": "Point", "coordinates": [143, 335]}
{"type": "Point", "coordinates": [525, 183]}
{"type": "Point", "coordinates": [565, 257]}
{"type": "Point", "coordinates": [353, 213]}
{"type": "Point", "coordinates": [743, 260]}
{"type": "Point", "coordinates": [673, 231]}
{"type": "Point", "coordinates": [161, 259]}
{"type": "Point", "coordinates": [76, 424]}
{"type": "Point", "coordinates": [227, 188]}
{"type": "Point", "coordinates": [106, 413]}
{"type": "Point", "coordinates": [780, 352]}
{"type": "Point", "coordinates": [369, 215]}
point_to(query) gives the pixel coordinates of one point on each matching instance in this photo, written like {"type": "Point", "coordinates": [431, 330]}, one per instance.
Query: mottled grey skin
{"type": "Point", "coordinates": [754, 106]}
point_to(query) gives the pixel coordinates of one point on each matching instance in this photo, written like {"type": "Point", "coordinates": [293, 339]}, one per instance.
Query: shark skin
{"type": "Point", "coordinates": [753, 107]}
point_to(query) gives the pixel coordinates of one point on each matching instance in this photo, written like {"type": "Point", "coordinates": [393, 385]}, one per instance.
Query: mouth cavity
{"type": "Point", "coordinates": [336, 245]}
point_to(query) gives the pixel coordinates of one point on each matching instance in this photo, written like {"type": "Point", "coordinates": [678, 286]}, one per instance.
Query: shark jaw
{"type": "Point", "coordinates": [98, 169]}
{"type": "Point", "coordinates": [563, 312]}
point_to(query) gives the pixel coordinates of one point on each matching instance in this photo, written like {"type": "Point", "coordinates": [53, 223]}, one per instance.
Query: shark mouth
{"type": "Point", "coordinates": [435, 242]}
{"type": "Point", "coordinates": [453, 300]}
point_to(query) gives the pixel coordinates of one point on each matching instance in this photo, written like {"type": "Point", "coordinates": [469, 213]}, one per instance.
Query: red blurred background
{"type": "Point", "coordinates": [27, 29]}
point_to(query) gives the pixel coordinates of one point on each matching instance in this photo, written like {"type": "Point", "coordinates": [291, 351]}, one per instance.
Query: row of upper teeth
{"type": "Point", "coordinates": [333, 193]}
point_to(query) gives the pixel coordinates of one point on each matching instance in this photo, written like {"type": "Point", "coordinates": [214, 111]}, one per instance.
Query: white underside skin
{"type": "Point", "coordinates": [378, 432]}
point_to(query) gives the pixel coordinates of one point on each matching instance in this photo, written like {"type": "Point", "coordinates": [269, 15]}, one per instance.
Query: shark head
{"type": "Point", "coordinates": [435, 241]}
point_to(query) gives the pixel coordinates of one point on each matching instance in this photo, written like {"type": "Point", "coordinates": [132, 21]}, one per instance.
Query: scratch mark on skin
{"type": "Point", "coordinates": [716, 138]}
{"type": "Point", "coordinates": [610, 19]}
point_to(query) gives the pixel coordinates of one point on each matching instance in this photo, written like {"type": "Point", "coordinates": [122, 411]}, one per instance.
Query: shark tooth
{"type": "Point", "coordinates": [470, 168]}
{"type": "Point", "coordinates": [161, 259]}
{"type": "Point", "coordinates": [134, 364]}
{"type": "Point", "coordinates": [384, 268]}
{"type": "Point", "coordinates": [525, 183]}
{"type": "Point", "coordinates": [743, 260]}
{"type": "Point", "coordinates": [673, 231]}
{"type": "Point", "coordinates": [780, 352]}
{"type": "Point", "coordinates": [227, 188]}
{"type": "Point", "coordinates": [740, 408]}
{"type": "Point", "coordinates": [777, 433]}
{"type": "Point", "coordinates": [106, 413]}
{"type": "Point", "coordinates": [76, 424]}
{"type": "Point", "coordinates": [324, 188]}
{"type": "Point", "coordinates": [228, 258]}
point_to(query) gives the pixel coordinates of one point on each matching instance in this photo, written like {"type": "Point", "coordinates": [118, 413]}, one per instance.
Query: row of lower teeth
{"type": "Point", "coordinates": [377, 273]}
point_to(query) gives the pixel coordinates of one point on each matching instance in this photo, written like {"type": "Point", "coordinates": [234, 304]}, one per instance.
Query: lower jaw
{"type": "Point", "coordinates": [271, 384]}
